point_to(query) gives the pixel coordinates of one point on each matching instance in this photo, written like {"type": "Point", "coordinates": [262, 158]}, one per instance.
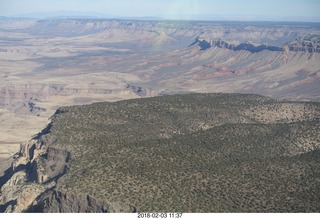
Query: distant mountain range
{"type": "Point", "coordinates": [208, 17]}
{"type": "Point", "coordinates": [66, 14]}
{"type": "Point", "coordinates": [80, 15]}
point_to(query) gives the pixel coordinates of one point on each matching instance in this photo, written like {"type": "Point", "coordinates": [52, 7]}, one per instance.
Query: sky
{"type": "Point", "coordinates": [171, 9]}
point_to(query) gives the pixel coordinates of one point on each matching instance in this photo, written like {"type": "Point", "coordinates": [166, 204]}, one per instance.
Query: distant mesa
{"type": "Point", "coordinates": [311, 45]}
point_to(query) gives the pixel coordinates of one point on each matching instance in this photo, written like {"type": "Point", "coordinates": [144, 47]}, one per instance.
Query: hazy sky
{"type": "Point", "coordinates": [170, 9]}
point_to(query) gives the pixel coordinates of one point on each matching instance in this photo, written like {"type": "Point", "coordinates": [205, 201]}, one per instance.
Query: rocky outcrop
{"type": "Point", "coordinates": [27, 98]}
{"type": "Point", "coordinates": [248, 46]}
{"type": "Point", "coordinates": [18, 192]}
{"type": "Point", "coordinates": [34, 170]}
{"type": "Point", "coordinates": [29, 184]}
{"type": "Point", "coordinates": [33, 108]}
{"type": "Point", "coordinates": [137, 90]}
{"type": "Point", "coordinates": [58, 202]}
{"type": "Point", "coordinates": [311, 45]}
{"type": "Point", "coordinates": [30, 93]}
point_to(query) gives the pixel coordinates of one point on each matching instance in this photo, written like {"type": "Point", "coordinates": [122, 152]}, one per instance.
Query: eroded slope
{"type": "Point", "coordinates": [46, 64]}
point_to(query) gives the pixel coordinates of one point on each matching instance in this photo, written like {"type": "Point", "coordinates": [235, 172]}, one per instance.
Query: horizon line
{"type": "Point", "coordinates": [155, 18]}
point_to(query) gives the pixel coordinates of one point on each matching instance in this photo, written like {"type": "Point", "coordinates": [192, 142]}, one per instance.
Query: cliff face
{"type": "Point", "coordinates": [29, 184]}
{"type": "Point", "coordinates": [34, 170]}
{"type": "Point", "coordinates": [26, 96]}
{"type": "Point", "coordinates": [251, 47]}
{"type": "Point", "coordinates": [58, 202]}
{"type": "Point", "coordinates": [311, 45]}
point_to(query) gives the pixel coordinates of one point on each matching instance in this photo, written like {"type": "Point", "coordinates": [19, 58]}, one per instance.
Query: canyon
{"type": "Point", "coordinates": [52, 63]}
{"type": "Point", "coordinates": [58, 62]}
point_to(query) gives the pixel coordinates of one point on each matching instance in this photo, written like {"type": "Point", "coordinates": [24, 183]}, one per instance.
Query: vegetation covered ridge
{"type": "Point", "coordinates": [180, 153]}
